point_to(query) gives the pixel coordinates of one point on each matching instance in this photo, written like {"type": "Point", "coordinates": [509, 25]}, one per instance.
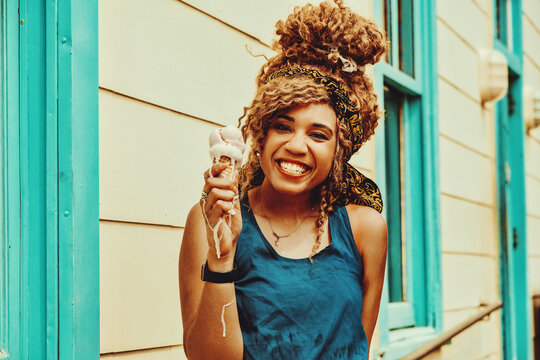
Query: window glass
{"type": "Point", "coordinates": [398, 23]}
{"type": "Point", "coordinates": [394, 193]}
{"type": "Point", "coordinates": [406, 53]}
{"type": "Point", "coordinates": [504, 26]}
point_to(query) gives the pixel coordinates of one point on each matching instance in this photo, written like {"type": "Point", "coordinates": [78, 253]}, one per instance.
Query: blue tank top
{"type": "Point", "coordinates": [294, 309]}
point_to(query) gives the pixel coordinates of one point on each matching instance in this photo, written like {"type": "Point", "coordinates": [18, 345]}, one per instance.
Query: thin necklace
{"type": "Point", "coordinates": [276, 235]}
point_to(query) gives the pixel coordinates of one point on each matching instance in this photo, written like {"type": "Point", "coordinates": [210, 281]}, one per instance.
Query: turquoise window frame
{"type": "Point", "coordinates": [49, 245]}
{"type": "Point", "coordinates": [10, 221]}
{"type": "Point", "coordinates": [422, 209]}
{"type": "Point", "coordinates": [510, 177]}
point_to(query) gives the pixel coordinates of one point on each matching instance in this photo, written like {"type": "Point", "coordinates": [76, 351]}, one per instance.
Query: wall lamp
{"type": "Point", "coordinates": [493, 75]}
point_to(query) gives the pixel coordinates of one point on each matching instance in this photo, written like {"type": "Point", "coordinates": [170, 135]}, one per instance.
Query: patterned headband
{"type": "Point", "coordinates": [339, 98]}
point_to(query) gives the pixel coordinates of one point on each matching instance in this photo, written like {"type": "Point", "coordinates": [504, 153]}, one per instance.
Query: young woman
{"type": "Point", "coordinates": [303, 257]}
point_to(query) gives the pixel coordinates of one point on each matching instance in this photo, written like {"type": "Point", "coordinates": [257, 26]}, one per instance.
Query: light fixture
{"type": "Point", "coordinates": [531, 108]}
{"type": "Point", "coordinates": [493, 75]}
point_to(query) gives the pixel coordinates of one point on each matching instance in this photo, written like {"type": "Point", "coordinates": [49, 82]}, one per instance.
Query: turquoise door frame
{"type": "Point", "coordinates": [511, 195]}
{"type": "Point", "coordinates": [516, 312]}
{"type": "Point", "coordinates": [50, 288]}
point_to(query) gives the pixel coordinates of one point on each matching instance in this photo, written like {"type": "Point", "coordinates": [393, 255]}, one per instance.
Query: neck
{"type": "Point", "coordinates": [276, 204]}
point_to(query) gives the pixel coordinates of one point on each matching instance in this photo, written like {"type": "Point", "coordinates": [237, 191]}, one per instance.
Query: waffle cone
{"type": "Point", "coordinates": [230, 171]}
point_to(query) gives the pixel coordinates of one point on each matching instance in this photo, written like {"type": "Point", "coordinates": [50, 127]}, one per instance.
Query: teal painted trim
{"type": "Point", "coordinates": [34, 232]}
{"type": "Point", "coordinates": [507, 325]}
{"type": "Point", "coordinates": [404, 341]}
{"type": "Point", "coordinates": [518, 218]}
{"type": "Point", "coordinates": [399, 80]}
{"type": "Point", "coordinates": [51, 178]}
{"type": "Point", "coordinates": [52, 207]}
{"type": "Point", "coordinates": [79, 179]}
{"type": "Point", "coordinates": [430, 160]}
{"type": "Point", "coordinates": [67, 344]}
{"type": "Point", "coordinates": [514, 291]}
{"type": "Point", "coordinates": [24, 163]}
{"type": "Point", "coordinates": [515, 62]}
{"type": "Point", "coordinates": [11, 340]}
{"type": "Point", "coordinates": [400, 315]}
{"type": "Point", "coordinates": [380, 169]}
{"type": "Point", "coordinates": [3, 222]}
{"type": "Point", "coordinates": [517, 19]}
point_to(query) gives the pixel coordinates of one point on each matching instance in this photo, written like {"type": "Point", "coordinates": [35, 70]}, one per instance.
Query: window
{"type": "Point", "coordinates": [411, 309]}
{"type": "Point", "coordinates": [394, 194]}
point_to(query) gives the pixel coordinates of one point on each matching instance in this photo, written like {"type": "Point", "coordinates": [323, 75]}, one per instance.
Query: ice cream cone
{"type": "Point", "coordinates": [230, 171]}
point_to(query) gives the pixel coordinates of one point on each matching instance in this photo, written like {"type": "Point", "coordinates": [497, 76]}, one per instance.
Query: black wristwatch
{"type": "Point", "coordinates": [217, 277]}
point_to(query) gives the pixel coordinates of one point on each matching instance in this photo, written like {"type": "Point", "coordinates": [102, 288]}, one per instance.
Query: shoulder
{"type": "Point", "coordinates": [368, 227]}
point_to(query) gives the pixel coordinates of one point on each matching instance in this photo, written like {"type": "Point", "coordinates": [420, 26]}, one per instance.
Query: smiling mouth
{"type": "Point", "coordinates": [292, 167]}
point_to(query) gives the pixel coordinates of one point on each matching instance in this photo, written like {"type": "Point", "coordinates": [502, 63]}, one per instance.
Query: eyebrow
{"type": "Point", "coordinates": [316, 125]}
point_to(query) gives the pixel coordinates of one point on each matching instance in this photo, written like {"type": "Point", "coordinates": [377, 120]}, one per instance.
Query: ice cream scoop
{"type": "Point", "coordinates": [227, 147]}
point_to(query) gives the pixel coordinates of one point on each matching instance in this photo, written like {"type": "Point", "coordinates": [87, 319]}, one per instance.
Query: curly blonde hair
{"type": "Point", "coordinates": [315, 37]}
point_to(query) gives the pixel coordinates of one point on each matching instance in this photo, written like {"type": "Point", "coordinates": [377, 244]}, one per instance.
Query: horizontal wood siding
{"type": "Point", "coordinates": [467, 180]}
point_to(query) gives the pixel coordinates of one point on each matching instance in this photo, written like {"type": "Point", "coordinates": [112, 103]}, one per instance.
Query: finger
{"type": "Point", "coordinates": [223, 206]}
{"type": "Point", "coordinates": [219, 182]}
{"type": "Point", "coordinates": [219, 209]}
{"type": "Point", "coordinates": [216, 169]}
{"type": "Point", "coordinates": [219, 194]}
{"type": "Point", "coordinates": [236, 180]}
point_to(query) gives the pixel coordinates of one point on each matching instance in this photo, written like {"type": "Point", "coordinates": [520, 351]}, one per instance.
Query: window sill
{"type": "Point", "coordinates": [404, 341]}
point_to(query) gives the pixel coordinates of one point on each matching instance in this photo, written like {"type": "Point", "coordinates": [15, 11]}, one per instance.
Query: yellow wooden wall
{"type": "Point", "coordinates": [170, 71]}
{"type": "Point", "coordinates": [467, 178]}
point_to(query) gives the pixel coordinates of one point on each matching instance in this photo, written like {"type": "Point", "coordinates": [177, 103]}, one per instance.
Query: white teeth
{"type": "Point", "coordinates": [292, 167]}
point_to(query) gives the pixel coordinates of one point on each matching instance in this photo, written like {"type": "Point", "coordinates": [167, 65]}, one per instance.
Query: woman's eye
{"type": "Point", "coordinates": [282, 127]}
{"type": "Point", "coordinates": [319, 136]}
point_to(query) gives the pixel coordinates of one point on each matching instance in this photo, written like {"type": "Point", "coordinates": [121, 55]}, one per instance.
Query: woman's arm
{"type": "Point", "coordinates": [202, 302]}
{"type": "Point", "coordinates": [370, 235]}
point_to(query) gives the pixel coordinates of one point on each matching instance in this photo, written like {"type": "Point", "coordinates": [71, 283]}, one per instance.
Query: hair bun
{"type": "Point", "coordinates": [319, 35]}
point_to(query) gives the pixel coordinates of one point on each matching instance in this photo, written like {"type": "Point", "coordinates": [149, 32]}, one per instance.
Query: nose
{"type": "Point", "coordinates": [297, 144]}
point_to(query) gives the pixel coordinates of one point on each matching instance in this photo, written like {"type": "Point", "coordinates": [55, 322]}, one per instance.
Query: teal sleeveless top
{"type": "Point", "coordinates": [294, 309]}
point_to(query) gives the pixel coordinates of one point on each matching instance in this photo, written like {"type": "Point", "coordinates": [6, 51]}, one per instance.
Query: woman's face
{"type": "Point", "coordinates": [299, 148]}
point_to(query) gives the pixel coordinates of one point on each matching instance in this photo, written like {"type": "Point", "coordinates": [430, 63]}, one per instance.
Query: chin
{"type": "Point", "coordinates": [292, 189]}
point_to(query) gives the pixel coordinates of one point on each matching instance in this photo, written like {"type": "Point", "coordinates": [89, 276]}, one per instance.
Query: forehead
{"type": "Point", "coordinates": [318, 113]}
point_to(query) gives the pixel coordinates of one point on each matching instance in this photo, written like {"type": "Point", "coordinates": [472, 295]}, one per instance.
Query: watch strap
{"type": "Point", "coordinates": [217, 277]}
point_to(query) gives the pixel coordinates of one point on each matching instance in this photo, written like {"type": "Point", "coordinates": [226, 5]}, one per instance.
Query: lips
{"type": "Point", "coordinates": [292, 167]}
